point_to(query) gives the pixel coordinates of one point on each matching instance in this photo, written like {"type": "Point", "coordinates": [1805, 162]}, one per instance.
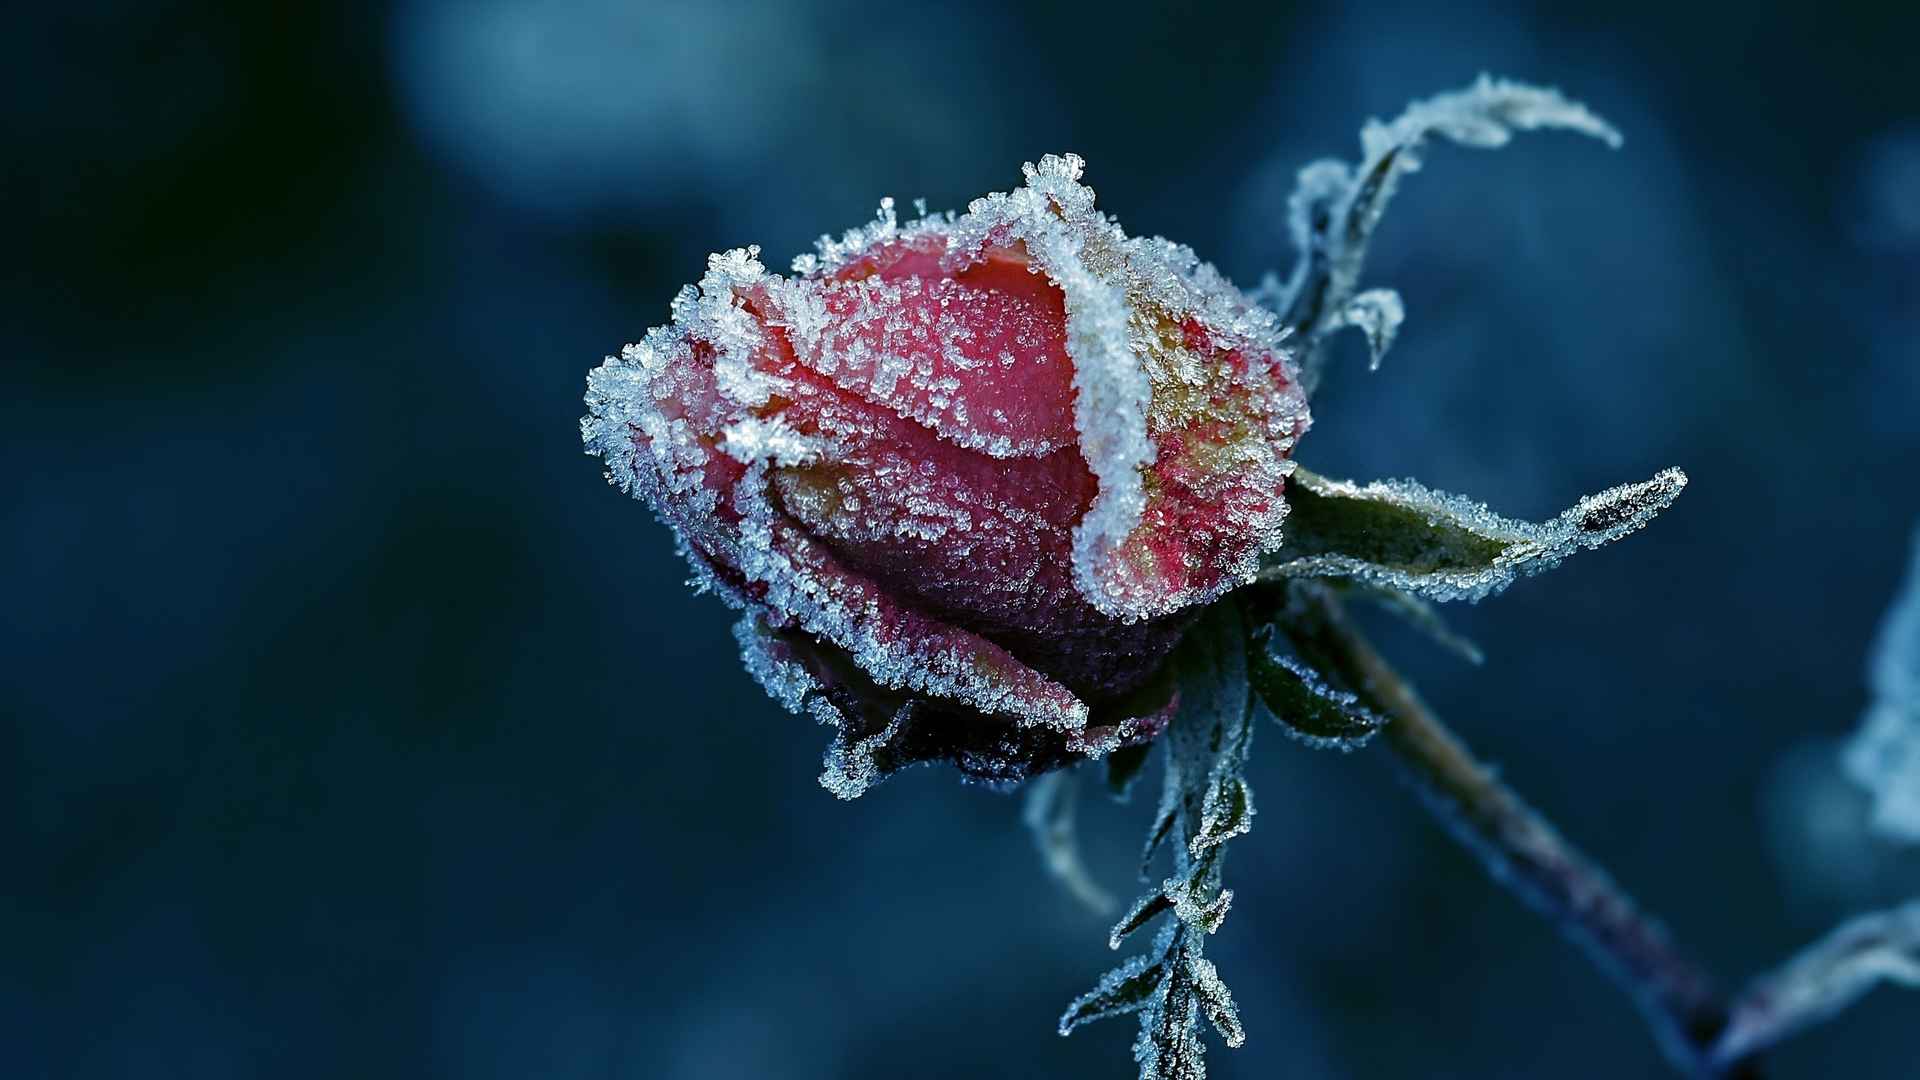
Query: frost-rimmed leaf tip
{"type": "Point", "coordinates": [1400, 534]}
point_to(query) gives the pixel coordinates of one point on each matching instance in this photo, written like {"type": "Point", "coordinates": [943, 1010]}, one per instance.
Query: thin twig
{"type": "Point", "coordinates": [1519, 847]}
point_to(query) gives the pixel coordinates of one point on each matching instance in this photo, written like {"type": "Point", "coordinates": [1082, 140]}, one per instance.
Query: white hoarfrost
{"type": "Point", "coordinates": [1116, 288]}
{"type": "Point", "coordinates": [651, 410]}
{"type": "Point", "coordinates": [1469, 552]}
{"type": "Point", "coordinates": [1335, 206]}
{"type": "Point", "coordinates": [688, 420]}
{"type": "Point", "coordinates": [1204, 803]}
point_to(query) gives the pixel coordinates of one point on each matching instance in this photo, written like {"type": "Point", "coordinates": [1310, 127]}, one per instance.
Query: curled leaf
{"type": "Point", "coordinates": [1335, 206]}
{"type": "Point", "coordinates": [1169, 1046]}
{"type": "Point", "coordinates": [1199, 906]}
{"type": "Point", "coordinates": [1402, 535]}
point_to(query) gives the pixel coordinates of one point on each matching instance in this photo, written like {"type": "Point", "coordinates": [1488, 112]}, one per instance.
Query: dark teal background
{"type": "Point", "coordinates": [351, 726]}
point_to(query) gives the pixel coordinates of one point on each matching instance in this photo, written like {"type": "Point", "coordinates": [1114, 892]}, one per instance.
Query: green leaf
{"type": "Point", "coordinates": [1157, 838]}
{"type": "Point", "coordinates": [1204, 803]}
{"type": "Point", "coordinates": [1169, 1046]}
{"type": "Point", "coordinates": [1227, 813]}
{"type": "Point", "coordinates": [1401, 535]}
{"type": "Point", "coordinates": [1302, 702]}
{"type": "Point", "coordinates": [1216, 1002]}
{"type": "Point", "coordinates": [1123, 990]}
{"type": "Point", "coordinates": [1144, 911]}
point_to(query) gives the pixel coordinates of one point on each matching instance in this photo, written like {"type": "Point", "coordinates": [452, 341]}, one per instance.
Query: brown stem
{"type": "Point", "coordinates": [1521, 850]}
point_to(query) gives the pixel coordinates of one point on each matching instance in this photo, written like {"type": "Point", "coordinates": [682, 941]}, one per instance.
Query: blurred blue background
{"type": "Point", "coordinates": [353, 727]}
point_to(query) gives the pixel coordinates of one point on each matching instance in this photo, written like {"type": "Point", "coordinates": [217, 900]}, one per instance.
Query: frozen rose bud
{"type": "Point", "coordinates": [969, 477]}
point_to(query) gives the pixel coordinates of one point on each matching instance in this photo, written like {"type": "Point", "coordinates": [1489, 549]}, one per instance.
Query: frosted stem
{"type": "Point", "coordinates": [1520, 849]}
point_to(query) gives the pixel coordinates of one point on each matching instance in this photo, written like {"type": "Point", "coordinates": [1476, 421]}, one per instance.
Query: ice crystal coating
{"type": "Point", "coordinates": [1204, 803]}
{"type": "Point", "coordinates": [1884, 755]}
{"type": "Point", "coordinates": [1402, 535]}
{"type": "Point", "coordinates": [1302, 702]}
{"type": "Point", "coordinates": [992, 462]}
{"type": "Point", "coordinates": [1335, 207]}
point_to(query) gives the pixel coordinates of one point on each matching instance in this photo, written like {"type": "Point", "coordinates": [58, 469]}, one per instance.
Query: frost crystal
{"type": "Point", "coordinates": [1301, 701]}
{"type": "Point", "coordinates": [1884, 755]}
{"type": "Point", "coordinates": [853, 764]}
{"type": "Point", "coordinates": [1402, 535]}
{"type": "Point", "coordinates": [652, 410]}
{"type": "Point", "coordinates": [1335, 207]}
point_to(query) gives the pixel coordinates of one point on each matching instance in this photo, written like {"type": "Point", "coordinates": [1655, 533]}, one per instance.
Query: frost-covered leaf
{"type": "Point", "coordinates": [1207, 744]}
{"type": "Point", "coordinates": [1204, 802]}
{"type": "Point", "coordinates": [1123, 990]}
{"type": "Point", "coordinates": [1169, 1046]}
{"type": "Point", "coordinates": [1402, 535]}
{"type": "Point", "coordinates": [1217, 1002]}
{"type": "Point", "coordinates": [1198, 905]}
{"type": "Point", "coordinates": [1049, 815]}
{"type": "Point", "coordinates": [1335, 206]}
{"type": "Point", "coordinates": [1302, 702]}
{"type": "Point", "coordinates": [1823, 979]}
{"type": "Point", "coordinates": [1227, 813]}
{"type": "Point", "coordinates": [1884, 755]}
{"type": "Point", "coordinates": [1144, 911]}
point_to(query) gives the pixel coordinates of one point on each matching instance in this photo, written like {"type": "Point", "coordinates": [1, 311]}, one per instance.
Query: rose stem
{"type": "Point", "coordinates": [1519, 848]}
